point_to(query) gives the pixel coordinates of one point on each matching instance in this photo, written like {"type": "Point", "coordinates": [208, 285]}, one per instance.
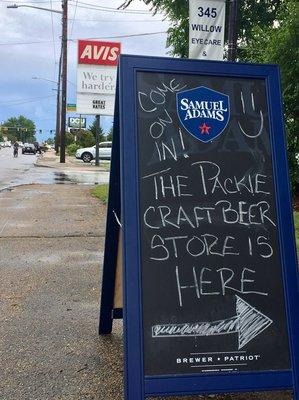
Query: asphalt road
{"type": "Point", "coordinates": [12, 169]}
{"type": "Point", "coordinates": [22, 171]}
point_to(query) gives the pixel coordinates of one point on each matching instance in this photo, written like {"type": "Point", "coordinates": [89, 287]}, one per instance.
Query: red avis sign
{"type": "Point", "coordinates": [98, 53]}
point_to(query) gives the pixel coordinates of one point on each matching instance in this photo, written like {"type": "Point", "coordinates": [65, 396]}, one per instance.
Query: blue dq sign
{"type": "Point", "coordinates": [203, 112]}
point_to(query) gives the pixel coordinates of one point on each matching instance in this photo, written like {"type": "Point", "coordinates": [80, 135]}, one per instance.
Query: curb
{"type": "Point", "coordinates": [69, 167]}
{"type": "Point", "coordinates": [45, 165]}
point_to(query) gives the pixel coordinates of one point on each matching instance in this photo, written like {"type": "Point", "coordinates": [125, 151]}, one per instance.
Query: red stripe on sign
{"type": "Point", "coordinates": [98, 53]}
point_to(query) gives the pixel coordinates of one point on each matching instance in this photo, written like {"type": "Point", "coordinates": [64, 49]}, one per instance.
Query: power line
{"type": "Point", "coordinates": [94, 6]}
{"type": "Point", "coordinates": [73, 40]}
{"type": "Point", "coordinates": [98, 8]}
{"type": "Point", "coordinates": [30, 2]}
{"type": "Point", "coordinates": [18, 102]}
{"type": "Point", "coordinates": [30, 98]}
{"type": "Point", "coordinates": [119, 20]}
{"type": "Point", "coordinates": [21, 43]}
{"type": "Point", "coordinates": [43, 119]}
{"type": "Point", "coordinates": [116, 10]}
{"type": "Point", "coordinates": [54, 49]}
{"type": "Point", "coordinates": [73, 19]}
{"type": "Point", "coordinates": [125, 36]}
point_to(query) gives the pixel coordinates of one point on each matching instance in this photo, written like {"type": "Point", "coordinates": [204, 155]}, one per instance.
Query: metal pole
{"type": "Point", "coordinates": [97, 139]}
{"type": "Point", "coordinates": [38, 8]}
{"type": "Point", "coordinates": [63, 80]}
{"type": "Point", "coordinates": [232, 31]}
{"type": "Point", "coordinates": [79, 128]}
{"type": "Point", "coordinates": [57, 132]}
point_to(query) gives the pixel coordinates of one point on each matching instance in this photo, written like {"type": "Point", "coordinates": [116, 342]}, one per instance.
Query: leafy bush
{"type": "Point", "coordinates": [85, 139]}
{"type": "Point", "coordinates": [72, 148]}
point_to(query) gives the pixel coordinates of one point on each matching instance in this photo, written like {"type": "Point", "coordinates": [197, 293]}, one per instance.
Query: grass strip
{"type": "Point", "coordinates": [101, 192]}
{"type": "Point", "coordinates": [296, 220]}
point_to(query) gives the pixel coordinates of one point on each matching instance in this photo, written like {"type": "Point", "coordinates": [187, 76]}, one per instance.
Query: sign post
{"type": "Point", "coordinates": [232, 31]}
{"type": "Point", "coordinates": [97, 139]}
{"type": "Point", "coordinates": [210, 272]}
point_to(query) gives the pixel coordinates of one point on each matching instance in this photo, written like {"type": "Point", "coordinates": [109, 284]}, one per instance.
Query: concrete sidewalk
{"type": "Point", "coordinates": [51, 253]}
{"type": "Point", "coordinates": [51, 160]}
{"type": "Point", "coordinates": [51, 250]}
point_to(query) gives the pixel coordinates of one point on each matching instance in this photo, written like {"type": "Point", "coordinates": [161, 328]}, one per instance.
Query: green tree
{"type": "Point", "coordinates": [82, 138]}
{"type": "Point", "coordinates": [279, 44]}
{"type": "Point", "coordinates": [92, 129]}
{"type": "Point", "coordinates": [19, 128]}
{"type": "Point", "coordinates": [251, 13]}
{"type": "Point", "coordinates": [50, 141]}
{"type": "Point", "coordinates": [267, 32]}
{"type": "Point", "coordinates": [85, 138]}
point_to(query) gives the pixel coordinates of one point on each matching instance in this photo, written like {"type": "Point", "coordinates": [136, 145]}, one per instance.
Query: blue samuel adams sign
{"type": "Point", "coordinates": [174, 305]}
{"type": "Point", "coordinates": [203, 112]}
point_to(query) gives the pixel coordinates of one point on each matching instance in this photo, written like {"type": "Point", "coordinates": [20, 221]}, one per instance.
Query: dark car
{"type": "Point", "coordinates": [38, 147]}
{"type": "Point", "coordinates": [28, 149]}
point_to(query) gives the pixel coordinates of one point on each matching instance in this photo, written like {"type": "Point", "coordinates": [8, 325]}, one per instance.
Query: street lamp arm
{"type": "Point", "coordinates": [38, 8]}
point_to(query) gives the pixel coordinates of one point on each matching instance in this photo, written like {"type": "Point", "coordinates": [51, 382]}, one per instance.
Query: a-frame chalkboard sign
{"type": "Point", "coordinates": [210, 273]}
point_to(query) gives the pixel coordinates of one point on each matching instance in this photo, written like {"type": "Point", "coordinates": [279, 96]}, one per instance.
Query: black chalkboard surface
{"type": "Point", "coordinates": [212, 287]}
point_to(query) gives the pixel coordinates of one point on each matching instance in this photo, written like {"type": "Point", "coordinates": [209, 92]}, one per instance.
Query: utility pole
{"type": "Point", "coordinates": [63, 81]}
{"type": "Point", "coordinates": [58, 109]}
{"type": "Point", "coordinates": [97, 139]}
{"type": "Point", "coordinates": [232, 31]}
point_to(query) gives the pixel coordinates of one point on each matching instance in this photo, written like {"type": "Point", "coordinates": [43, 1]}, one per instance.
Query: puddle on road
{"type": "Point", "coordinates": [82, 178]}
{"type": "Point", "coordinates": [6, 189]}
{"type": "Point", "coordinates": [61, 177]}
{"type": "Point", "coordinates": [49, 176]}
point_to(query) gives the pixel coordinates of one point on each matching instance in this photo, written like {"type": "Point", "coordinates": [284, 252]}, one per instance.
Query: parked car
{"type": "Point", "coordinates": [28, 148]}
{"type": "Point", "coordinates": [88, 153]}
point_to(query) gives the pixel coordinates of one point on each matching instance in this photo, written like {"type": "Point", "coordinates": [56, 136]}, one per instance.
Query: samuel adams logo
{"type": "Point", "coordinates": [203, 112]}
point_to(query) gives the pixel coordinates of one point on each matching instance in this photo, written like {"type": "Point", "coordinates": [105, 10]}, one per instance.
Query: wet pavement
{"type": "Point", "coordinates": [51, 251]}
{"type": "Point", "coordinates": [47, 176]}
{"type": "Point", "coordinates": [30, 169]}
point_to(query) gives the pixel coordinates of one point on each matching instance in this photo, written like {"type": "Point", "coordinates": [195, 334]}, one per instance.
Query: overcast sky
{"type": "Point", "coordinates": [30, 47]}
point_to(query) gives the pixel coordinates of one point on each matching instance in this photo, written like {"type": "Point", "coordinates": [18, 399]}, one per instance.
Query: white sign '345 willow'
{"type": "Point", "coordinates": [206, 29]}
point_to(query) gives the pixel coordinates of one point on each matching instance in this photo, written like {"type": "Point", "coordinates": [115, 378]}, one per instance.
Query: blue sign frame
{"type": "Point", "coordinates": [107, 311]}
{"type": "Point", "coordinates": [137, 385]}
